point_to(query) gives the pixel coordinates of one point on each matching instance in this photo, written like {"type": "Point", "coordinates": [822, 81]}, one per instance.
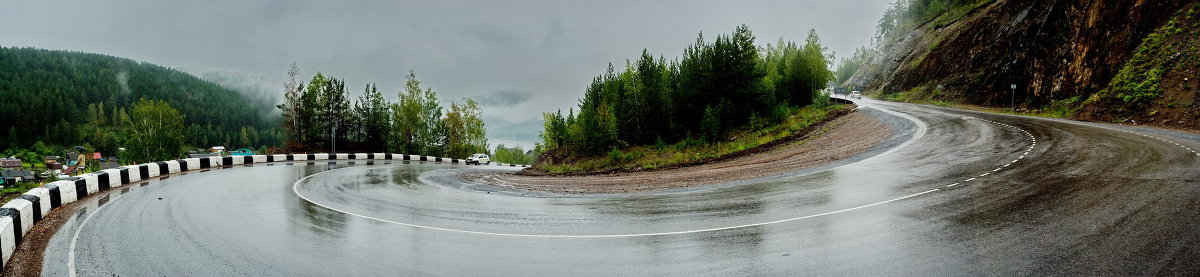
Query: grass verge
{"type": "Point", "coordinates": [692, 152]}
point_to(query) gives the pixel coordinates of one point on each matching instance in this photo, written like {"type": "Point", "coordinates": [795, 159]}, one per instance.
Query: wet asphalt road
{"type": "Point", "coordinates": [938, 200]}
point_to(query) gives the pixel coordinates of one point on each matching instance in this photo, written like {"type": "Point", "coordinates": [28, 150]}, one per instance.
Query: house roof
{"type": "Point", "coordinates": [97, 156]}
{"type": "Point", "coordinates": [8, 174]}
{"type": "Point", "coordinates": [52, 157]}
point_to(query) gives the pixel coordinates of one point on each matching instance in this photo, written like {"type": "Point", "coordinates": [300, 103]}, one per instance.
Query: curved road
{"type": "Point", "coordinates": [966, 194]}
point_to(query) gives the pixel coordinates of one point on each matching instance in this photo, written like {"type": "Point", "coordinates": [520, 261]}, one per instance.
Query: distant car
{"type": "Point", "coordinates": [856, 94]}
{"type": "Point", "coordinates": [479, 159]}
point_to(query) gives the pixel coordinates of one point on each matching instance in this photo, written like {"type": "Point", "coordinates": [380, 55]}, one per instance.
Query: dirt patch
{"type": "Point", "coordinates": [830, 142]}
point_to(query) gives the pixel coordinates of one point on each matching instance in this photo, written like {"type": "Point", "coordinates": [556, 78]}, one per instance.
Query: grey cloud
{"type": "Point", "coordinates": [503, 98]}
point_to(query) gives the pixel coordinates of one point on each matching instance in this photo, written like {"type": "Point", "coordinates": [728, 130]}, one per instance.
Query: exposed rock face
{"type": "Point", "coordinates": [1052, 50]}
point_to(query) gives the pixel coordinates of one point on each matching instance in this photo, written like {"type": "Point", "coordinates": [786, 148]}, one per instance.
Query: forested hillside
{"type": "Point", "coordinates": [320, 116]}
{"type": "Point", "coordinates": [69, 98]}
{"type": "Point", "coordinates": [716, 87]}
{"type": "Point", "coordinates": [722, 96]}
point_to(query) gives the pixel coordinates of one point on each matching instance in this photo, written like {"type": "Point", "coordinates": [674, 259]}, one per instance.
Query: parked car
{"type": "Point", "coordinates": [856, 94]}
{"type": "Point", "coordinates": [479, 159]}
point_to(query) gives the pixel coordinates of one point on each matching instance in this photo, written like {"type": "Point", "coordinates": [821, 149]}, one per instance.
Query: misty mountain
{"type": "Point", "coordinates": [53, 96]}
{"type": "Point", "coordinates": [262, 93]}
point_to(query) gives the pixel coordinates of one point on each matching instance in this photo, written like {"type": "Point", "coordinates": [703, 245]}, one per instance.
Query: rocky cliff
{"type": "Point", "coordinates": [1104, 60]}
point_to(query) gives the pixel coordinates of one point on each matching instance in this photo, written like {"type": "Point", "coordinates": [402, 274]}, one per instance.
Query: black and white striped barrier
{"type": "Point", "coordinates": [18, 216]}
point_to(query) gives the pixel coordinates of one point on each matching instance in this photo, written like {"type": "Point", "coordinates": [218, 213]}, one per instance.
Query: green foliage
{"type": "Point", "coordinates": [514, 155]}
{"type": "Point", "coordinates": [1139, 81]}
{"type": "Point", "coordinates": [693, 150]}
{"type": "Point", "coordinates": [555, 128]}
{"type": "Point", "coordinates": [156, 133]}
{"type": "Point", "coordinates": [70, 98]}
{"type": "Point", "coordinates": [464, 133]}
{"type": "Point", "coordinates": [716, 87]}
{"type": "Point", "coordinates": [17, 189]}
{"type": "Point", "coordinates": [373, 118]}
{"type": "Point", "coordinates": [414, 124]}
{"type": "Point", "coordinates": [848, 66]}
{"type": "Point", "coordinates": [33, 155]}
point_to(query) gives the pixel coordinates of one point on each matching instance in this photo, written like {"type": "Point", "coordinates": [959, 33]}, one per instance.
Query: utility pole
{"type": "Point", "coordinates": [333, 137]}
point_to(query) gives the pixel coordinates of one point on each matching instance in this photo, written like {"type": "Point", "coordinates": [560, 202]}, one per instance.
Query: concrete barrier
{"type": "Point", "coordinates": [59, 192]}
{"type": "Point", "coordinates": [210, 162]}
{"type": "Point", "coordinates": [8, 243]}
{"type": "Point", "coordinates": [40, 197]}
{"type": "Point", "coordinates": [154, 170]}
{"type": "Point", "coordinates": [85, 184]}
{"type": "Point", "coordinates": [21, 211]}
{"type": "Point", "coordinates": [188, 164]}
{"type": "Point", "coordinates": [109, 178]}
{"type": "Point", "coordinates": [234, 160]}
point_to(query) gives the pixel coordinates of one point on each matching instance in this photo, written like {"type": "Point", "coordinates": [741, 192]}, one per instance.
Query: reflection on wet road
{"type": "Point", "coordinates": [1083, 201]}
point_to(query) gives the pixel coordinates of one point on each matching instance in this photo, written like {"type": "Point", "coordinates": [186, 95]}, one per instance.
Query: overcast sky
{"type": "Point", "coordinates": [518, 57]}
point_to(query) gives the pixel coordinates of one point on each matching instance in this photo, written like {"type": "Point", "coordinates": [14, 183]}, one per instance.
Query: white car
{"type": "Point", "coordinates": [856, 94]}
{"type": "Point", "coordinates": [479, 159]}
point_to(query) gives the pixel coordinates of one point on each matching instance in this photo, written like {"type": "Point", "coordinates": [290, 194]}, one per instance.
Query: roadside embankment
{"type": "Point", "coordinates": [834, 140]}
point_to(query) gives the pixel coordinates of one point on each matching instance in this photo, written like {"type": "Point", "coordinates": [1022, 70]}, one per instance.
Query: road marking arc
{"type": "Point", "coordinates": [296, 190]}
{"type": "Point", "coordinates": [75, 238]}
{"type": "Point", "coordinates": [296, 185]}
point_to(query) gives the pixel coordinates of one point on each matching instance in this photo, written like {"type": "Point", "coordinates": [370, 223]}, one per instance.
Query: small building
{"type": "Point", "coordinates": [97, 156]}
{"type": "Point", "coordinates": [52, 159]}
{"type": "Point", "coordinates": [217, 150]}
{"type": "Point", "coordinates": [10, 162]}
{"type": "Point", "coordinates": [14, 176]}
{"type": "Point", "coordinates": [54, 168]}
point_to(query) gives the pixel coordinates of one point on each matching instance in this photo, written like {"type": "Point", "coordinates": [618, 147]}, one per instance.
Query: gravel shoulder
{"type": "Point", "coordinates": [835, 141]}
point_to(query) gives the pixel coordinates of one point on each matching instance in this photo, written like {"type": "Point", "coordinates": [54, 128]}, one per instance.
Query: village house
{"type": "Point", "coordinates": [10, 162]}
{"type": "Point", "coordinates": [13, 176]}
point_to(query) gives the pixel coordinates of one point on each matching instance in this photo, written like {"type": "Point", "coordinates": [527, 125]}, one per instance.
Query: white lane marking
{"type": "Point", "coordinates": [985, 174]}
{"type": "Point", "coordinates": [75, 238]}
{"type": "Point", "coordinates": [295, 189]}
{"type": "Point", "coordinates": [924, 129]}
